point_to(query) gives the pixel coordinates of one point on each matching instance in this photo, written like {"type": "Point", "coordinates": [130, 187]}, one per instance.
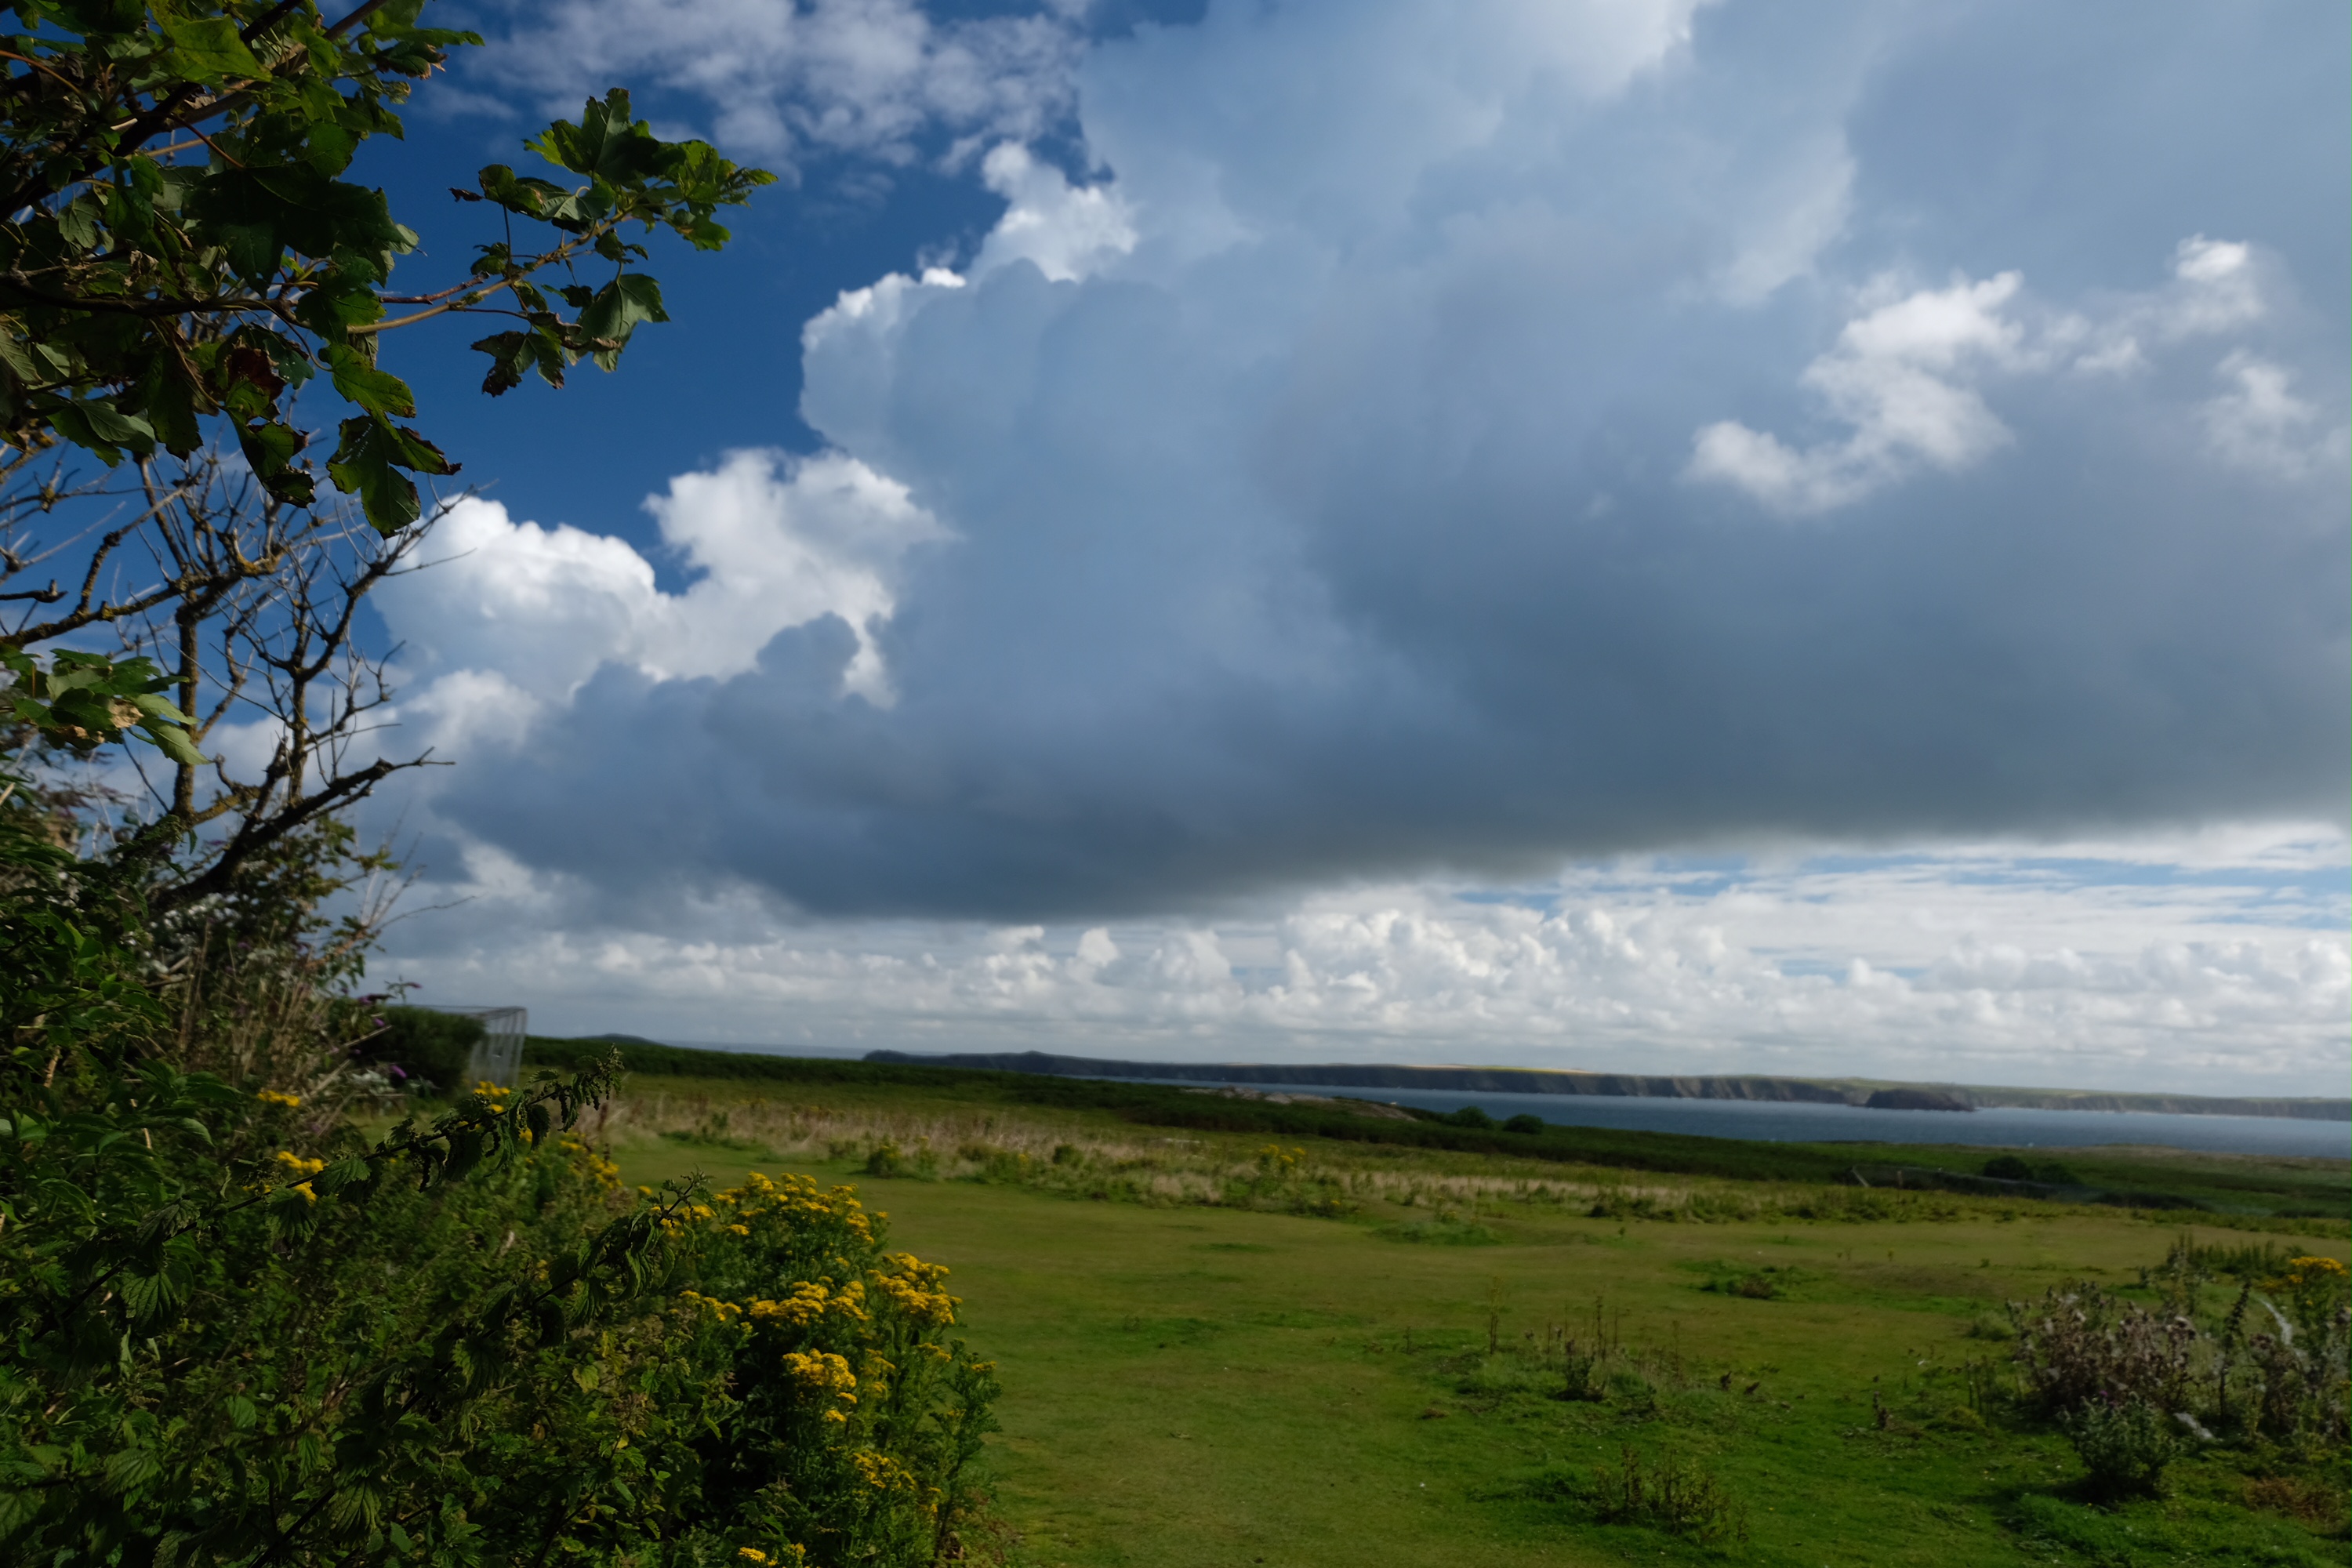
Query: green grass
{"type": "Point", "coordinates": [1190, 1384]}
{"type": "Point", "coordinates": [2254, 1191]}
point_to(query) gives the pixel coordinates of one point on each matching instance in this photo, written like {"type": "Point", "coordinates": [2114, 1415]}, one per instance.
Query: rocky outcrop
{"type": "Point", "coordinates": [1915, 1100]}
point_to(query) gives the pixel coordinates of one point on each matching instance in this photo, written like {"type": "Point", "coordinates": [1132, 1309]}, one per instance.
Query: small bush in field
{"type": "Point", "coordinates": [433, 1047]}
{"type": "Point", "coordinates": [2083, 1344]}
{"type": "Point", "coordinates": [1666, 1494]}
{"type": "Point", "coordinates": [2125, 1444]}
{"type": "Point", "coordinates": [2315, 1503]}
{"type": "Point", "coordinates": [1524, 1122]}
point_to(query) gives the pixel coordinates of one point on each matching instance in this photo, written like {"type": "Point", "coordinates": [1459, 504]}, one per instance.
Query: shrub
{"type": "Point", "coordinates": [2007, 1168]}
{"type": "Point", "coordinates": [1666, 1494]}
{"type": "Point", "coordinates": [2320, 1503]}
{"type": "Point", "coordinates": [1524, 1122]}
{"type": "Point", "coordinates": [236, 1332]}
{"type": "Point", "coordinates": [1446, 1230]}
{"type": "Point", "coordinates": [1471, 1116]}
{"type": "Point", "coordinates": [2125, 1444]}
{"type": "Point", "coordinates": [2083, 1345]}
{"type": "Point", "coordinates": [427, 1045]}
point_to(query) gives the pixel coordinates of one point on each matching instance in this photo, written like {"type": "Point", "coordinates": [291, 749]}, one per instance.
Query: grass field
{"type": "Point", "coordinates": [1191, 1379]}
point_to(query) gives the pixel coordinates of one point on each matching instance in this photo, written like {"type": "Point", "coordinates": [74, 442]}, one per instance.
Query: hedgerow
{"type": "Point", "coordinates": [236, 1330]}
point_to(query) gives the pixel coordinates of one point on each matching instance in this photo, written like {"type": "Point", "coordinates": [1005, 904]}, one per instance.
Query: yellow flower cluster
{"type": "Point", "coordinates": [271, 1096]}
{"type": "Point", "coordinates": [295, 1165]}
{"type": "Point", "coordinates": [2309, 1273]}
{"type": "Point", "coordinates": [881, 1472]}
{"type": "Point", "coordinates": [608, 1174]}
{"type": "Point", "coordinates": [792, 1196]}
{"type": "Point", "coordinates": [914, 1288]}
{"type": "Point", "coordinates": [822, 1372]}
{"type": "Point", "coordinates": [811, 1300]}
{"type": "Point", "coordinates": [725, 1311]}
{"type": "Point", "coordinates": [1275, 1157]}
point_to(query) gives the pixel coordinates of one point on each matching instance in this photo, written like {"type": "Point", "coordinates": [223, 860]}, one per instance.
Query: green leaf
{"type": "Point", "coordinates": [616, 311]}
{"type": "Point", "coordinates": [78, 222]}
{"type": "Point", "coordinates": [156, 706]}
{"type": "Point", "coordinates": [174, 744]}
{"type": "Point", "coordinates": [367, 463]}
{"type": "Point", "coordinates": [210, 50]}
{"type": "Point", "coordinates": [96, 426]}
{"type": "Point", "coordinates": [377, 391]}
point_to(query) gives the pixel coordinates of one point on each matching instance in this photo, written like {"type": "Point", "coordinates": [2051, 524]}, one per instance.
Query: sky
{"type": "Point", "coordinates": [1699, 537]}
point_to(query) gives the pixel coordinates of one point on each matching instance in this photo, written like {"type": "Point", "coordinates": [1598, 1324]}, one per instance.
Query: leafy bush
{"type": "Point", "coordinates": [233, 1329]}
{"type": "Point", "coordinates": [2125, 1445]}
{"type": "Point", "coordinates": [1524, 1122]}
{"type": "Point", "coordinates": [1666, 1494]}
{"type": "Point", "coordinates": [424, 1044]}
{"type": "Point", "coordinates": [2007, 1168]}
{"type": "Point", "coordinates": [2084, 1345]}
{"type": "Point", "coordinates": [1471, 1116]}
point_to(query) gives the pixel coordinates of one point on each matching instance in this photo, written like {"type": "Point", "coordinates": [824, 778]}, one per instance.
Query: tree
{"type": "Point", "coordinates": [180, 256]}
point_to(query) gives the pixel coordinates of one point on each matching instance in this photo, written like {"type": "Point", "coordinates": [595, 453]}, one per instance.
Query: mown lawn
{"type": "Point", "coordinates": [1212, 1385]}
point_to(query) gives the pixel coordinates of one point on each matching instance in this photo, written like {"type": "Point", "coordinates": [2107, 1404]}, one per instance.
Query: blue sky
{"type": "Point", "coordinates": [1802, 537]}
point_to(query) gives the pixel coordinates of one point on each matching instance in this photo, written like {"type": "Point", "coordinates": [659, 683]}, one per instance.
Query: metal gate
{"type": "Point", "coordinates": [497, 1057]}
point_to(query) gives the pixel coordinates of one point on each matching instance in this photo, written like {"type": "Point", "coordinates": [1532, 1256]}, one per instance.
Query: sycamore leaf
{"type": "Point", "coordinates": [210, 50]}
{"type": "Point", "coordinates": [96, 426]}
{"type": "Point", "coordinates": [377, 391]}
{"type": "Point", "coordinates": [157, 706]}
{"type": "Point", "coordinates": [367, 463]}
{"type": "Point", "coordinates": [174, 743]}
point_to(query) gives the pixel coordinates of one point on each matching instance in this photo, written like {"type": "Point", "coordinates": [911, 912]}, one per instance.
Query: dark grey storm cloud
{"type": "Point", "coordinates": [1445, 438]}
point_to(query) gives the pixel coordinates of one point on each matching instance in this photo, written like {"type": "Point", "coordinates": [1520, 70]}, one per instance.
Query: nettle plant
{"type": "Point", "coordinates": [236, 1329]}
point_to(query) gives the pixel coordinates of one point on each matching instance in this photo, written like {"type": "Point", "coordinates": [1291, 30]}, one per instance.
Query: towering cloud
{"type": "Point", "coordinates": [1417, 438]}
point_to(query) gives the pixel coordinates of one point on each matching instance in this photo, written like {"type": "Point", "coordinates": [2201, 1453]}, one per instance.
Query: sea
{"type": "Point", "coordinates": [1783, 1121]}
{"type": "Point", "coordinates": [1786, 1122]}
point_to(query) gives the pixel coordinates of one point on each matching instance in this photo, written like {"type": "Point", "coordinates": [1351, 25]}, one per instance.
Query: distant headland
{"type": "Point", "coordinates": [1877, 1093]}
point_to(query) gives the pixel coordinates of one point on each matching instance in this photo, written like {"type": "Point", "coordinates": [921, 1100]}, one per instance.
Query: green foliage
{"type": "Point", "coordinates": [84, 700]}
{"type": "Point", "coordinates": [1446, 1230]}
{"type": "Point", "coordinates": [1665, 1493]}
{"type": "Point", "coordinates": [2123, 1444]}
{"type": "Point", "coordinates": [183, 245]}
{"type": "Point", "coordinates": [1472, 1117]}
{"type": "Point", "coordinates": [233, 1329]}
{"type": "Point", "coordinates": [433, 1047]}
{"type": "Point", "coordinates": [1524, 1122]}
{"type": "Point", "coordinates": [2007, 1168]}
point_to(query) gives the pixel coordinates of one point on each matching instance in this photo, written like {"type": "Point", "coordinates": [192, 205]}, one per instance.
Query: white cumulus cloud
{"type": "Point", "coordinates": [508, 618]}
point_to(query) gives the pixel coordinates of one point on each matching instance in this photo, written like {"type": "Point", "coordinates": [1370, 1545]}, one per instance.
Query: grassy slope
{"type": "Point", "coordinates": [2227, 1183]}
{"type": "Point", "coordinates": [1208, 1385]}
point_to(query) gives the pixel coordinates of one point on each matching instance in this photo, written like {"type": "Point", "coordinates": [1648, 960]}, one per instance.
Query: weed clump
{"type": "Point", "coordinates": [1766, 1284]}
{"type": "Point", "coordinates": [2315, 1503]}
{"type": "Point", "coordinates": [1675, 1496]}
{"type": "Point", "coordinates": [1446, 1229]}
{"type": "Point", "coordinates": [2123, 1444]}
